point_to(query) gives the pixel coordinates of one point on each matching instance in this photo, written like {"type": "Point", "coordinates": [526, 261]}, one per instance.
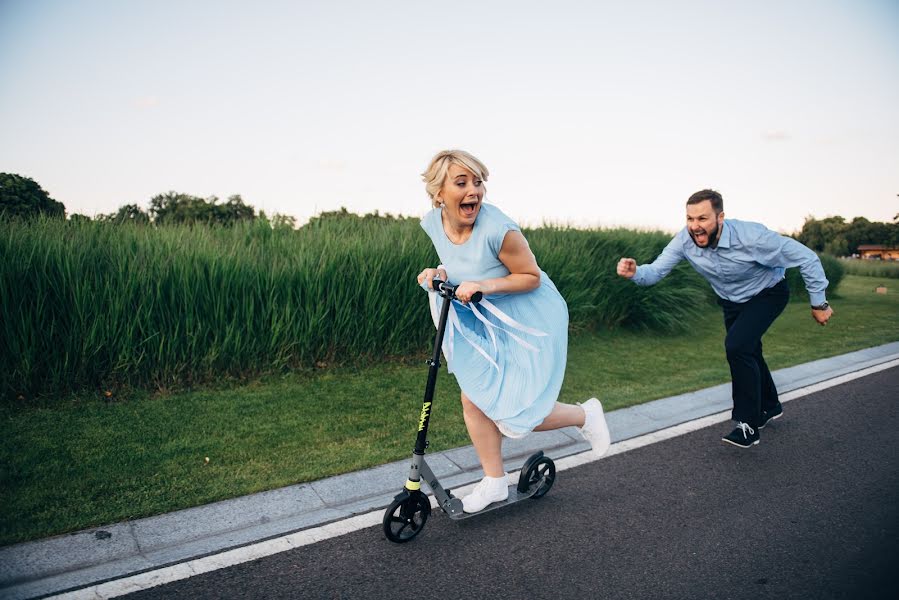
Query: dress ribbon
{"type": "Point", "coordinates": [454, 325]}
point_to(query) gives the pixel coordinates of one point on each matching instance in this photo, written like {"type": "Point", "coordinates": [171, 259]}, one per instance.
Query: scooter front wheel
{"type": "Point", "coordinates": [406, 516]}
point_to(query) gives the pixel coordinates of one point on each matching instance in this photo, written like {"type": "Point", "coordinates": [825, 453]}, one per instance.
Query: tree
{"type": "Point", "coordinates": [130, 213]}
{"type": "Point", "coordinates": [834, 236]}
{"type": "Point", "coordinates": [172, 207]}
{"type": "Point", "coordinates": [859, 231]}
{"type": "Point", "coordinates": [232, 211]}
{"type": "Point", "coordinates": [280, 221]}
{"type": "Point", "coordinates": [894, 235]}
{"type": "Point", "coordinates": [816, 234]}
{"type": "Point", "coordinates": [837, 247]}
{"type": "Point", "coordinates": [23, 197]}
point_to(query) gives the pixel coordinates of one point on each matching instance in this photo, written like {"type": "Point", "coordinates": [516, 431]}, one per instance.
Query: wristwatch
{"type": "Point", "coordinates": [822, 306]}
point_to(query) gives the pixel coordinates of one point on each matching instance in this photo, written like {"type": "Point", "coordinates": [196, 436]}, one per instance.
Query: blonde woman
{"type": "Point", "coordinates": [507, 352]}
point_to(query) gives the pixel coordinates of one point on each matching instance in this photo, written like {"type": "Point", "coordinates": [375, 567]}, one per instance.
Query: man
{"type": "Point", "coordinates": [744, 263]}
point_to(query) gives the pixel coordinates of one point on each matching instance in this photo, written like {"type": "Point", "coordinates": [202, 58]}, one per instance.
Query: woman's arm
{"type": "Point", "coordinates": [524, 274]}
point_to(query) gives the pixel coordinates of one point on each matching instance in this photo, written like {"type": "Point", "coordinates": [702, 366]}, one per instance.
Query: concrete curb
{"type": "Point", "coordinates": [71, 561]}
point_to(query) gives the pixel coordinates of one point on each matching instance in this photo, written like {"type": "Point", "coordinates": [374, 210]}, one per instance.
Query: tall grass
{"type": "Point", "coordinates": [91, 305]}
{"type": "Point", "coordinates": [871, 268]}
{"type": "Point", "coordinates": [582, 264]}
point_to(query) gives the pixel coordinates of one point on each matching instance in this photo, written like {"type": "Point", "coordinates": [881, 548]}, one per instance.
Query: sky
{"type": "Point", "coordinates": [590, 114]}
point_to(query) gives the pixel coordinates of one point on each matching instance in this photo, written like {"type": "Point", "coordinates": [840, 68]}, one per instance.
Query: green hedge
{"type": "Point", "coordinates": [92, 305]}
{"type": "Point", "coordinates": [833, 269]}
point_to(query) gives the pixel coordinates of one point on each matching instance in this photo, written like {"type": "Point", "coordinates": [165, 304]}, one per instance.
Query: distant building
{"type": "Point", "coordinates": [878, 252]}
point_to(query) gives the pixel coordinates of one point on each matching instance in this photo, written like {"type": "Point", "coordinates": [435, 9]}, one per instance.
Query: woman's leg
{"type": "Point", "coordinates": [562, 415]}
{"type": "Point", "coordinates": [588, 417]}
{"type": "Point", "coordinates": [487, 440]}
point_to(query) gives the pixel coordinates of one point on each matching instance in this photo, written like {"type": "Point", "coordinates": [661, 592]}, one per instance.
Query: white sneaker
{"type": "Point", "coordinates": [487, 491]}
{"type": "Point", "coordinates": [595, 429]}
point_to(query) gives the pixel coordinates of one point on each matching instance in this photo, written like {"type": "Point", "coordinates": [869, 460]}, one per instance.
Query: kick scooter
{"type": "Point", "coordinates": [407, 514]}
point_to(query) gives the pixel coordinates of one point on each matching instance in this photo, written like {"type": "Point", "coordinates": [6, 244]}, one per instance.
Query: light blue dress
{"type": "Point", "coordinates": [512, 369]}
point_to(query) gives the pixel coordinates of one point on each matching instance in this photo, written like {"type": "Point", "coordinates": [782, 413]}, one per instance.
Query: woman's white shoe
{"type": "Point", "coordinates": [595, 429]}
{"type": "Point", "coordinates": [487, 491]}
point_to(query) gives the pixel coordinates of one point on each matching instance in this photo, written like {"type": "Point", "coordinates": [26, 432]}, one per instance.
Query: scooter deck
{"type": "Point", "coordinates": [455, 512]}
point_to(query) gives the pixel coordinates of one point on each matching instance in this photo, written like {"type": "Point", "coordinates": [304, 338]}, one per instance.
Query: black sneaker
{"type": "Point", "coordinates": [743, 436]}
{"type": "Point", "coordinates": [771, 414]}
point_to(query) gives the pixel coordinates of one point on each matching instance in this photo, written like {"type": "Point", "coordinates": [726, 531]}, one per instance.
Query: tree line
{"type": "Point", "coordinates": [22, 197]}
{"type": "Point", "coordinates": [837, 237]}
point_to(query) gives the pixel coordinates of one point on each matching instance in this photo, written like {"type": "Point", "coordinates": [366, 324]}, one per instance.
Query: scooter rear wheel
{"type": "Point", "coordinates": [406, 517]}
{"type": "Point", "coordinates": [541, 472]}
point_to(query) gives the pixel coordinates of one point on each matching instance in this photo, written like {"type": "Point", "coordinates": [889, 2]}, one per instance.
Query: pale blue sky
{"type": "Point", "coordinates": [589, 113]}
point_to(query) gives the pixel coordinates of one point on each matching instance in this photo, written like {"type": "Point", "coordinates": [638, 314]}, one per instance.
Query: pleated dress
{"type": "Point", "coordinates": [507, 352]}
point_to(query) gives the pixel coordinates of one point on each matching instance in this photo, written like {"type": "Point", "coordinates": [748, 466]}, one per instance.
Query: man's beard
{"type": "Point", "coordinates": [711, 235]}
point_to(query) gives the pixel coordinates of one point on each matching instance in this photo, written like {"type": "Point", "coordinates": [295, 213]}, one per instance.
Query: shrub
{"type": "Point", "coordinates": [86, 304]}
{"type": "Point", "coordinates": [833, 270]}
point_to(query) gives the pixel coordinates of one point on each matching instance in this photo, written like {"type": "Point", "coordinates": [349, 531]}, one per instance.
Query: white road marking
{"type": "Point", "coordinates": [142, 581]}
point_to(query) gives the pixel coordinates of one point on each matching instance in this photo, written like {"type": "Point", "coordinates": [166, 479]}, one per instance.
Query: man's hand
{"type": "Point", "coordinates": [822, 316]}
{"type": "Point", "coordinates": [627, 267]}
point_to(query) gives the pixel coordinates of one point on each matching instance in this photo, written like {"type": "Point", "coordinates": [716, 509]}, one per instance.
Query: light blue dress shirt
{"type": "Point", "coordinates": [749, 258]}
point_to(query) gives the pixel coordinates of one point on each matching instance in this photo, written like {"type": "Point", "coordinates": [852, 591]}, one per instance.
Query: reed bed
{"type": "Point", "coordinates": [871, 268]}
{"type": "Point", "coordinates": [92, 305]}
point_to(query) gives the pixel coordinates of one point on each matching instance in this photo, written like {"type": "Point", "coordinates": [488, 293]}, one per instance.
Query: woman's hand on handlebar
{"type": "Point", "coordinates": [467, 289]}
{"type": "Point", "coordinates": [428, 276]}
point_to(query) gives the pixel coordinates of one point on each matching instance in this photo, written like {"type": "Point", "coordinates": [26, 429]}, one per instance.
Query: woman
{"type": "Point", "coordinates": [508, 352]}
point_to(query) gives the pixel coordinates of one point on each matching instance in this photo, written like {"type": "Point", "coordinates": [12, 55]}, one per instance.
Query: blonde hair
{"type": "Point", "coordinates": [435, 174]}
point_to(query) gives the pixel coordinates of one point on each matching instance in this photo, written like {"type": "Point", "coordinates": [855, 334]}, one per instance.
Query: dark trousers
{"type": "Point", "coordinates": [746, 323]}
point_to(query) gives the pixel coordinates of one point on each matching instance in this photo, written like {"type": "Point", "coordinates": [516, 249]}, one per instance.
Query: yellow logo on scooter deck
{"type": "Point", "coordinates": [424, 415]}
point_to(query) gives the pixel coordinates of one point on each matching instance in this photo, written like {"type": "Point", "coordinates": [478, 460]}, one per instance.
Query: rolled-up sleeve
{"type": "Point", "coordinates": [663, 264]}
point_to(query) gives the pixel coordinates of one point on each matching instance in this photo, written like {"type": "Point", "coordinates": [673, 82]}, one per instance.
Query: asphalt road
{"type": "Point", "coordinates": [811, 512]}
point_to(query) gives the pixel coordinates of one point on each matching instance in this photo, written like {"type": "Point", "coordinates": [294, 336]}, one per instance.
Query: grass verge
{"type": "Point", "coordinates": [87, 461]}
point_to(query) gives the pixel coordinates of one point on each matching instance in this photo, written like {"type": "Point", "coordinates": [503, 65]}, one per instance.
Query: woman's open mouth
{"type": "Point", "coordinates": [468, 209]}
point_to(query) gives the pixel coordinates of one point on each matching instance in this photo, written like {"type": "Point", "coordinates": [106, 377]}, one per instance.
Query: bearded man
{"type": "Point", "coordinates": [744, 262]}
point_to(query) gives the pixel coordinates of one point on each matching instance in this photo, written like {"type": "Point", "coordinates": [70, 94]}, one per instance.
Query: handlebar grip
{"type": "Point", "coordinates": [450, 290]}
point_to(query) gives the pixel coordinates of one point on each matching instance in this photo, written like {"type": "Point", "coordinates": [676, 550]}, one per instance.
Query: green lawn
{"type": "Point", "coordinates": [87, 461]}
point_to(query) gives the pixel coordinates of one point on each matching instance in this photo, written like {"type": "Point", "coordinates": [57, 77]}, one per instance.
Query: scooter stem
{"type": "Point", "coordinates": [413, 483]}
{"type": "Point", "coordinates": [422, 440]}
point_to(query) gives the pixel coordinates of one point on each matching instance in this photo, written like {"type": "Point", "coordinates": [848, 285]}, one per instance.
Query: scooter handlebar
{"type": "Point", "coordinates": [449, 291]}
